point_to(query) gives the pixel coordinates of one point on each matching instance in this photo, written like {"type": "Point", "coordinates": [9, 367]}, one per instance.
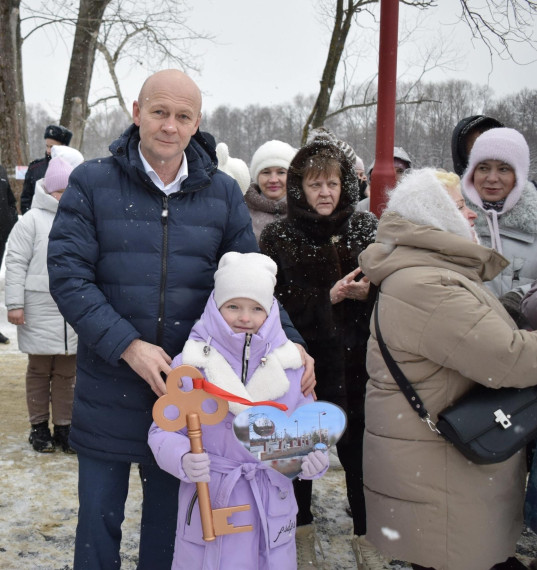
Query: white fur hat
{"type": "Point", "coordinates": [421, 198]}
{"type": "Point", "coordinates": [248, 275]}
{"type": "Point", "coordinates": [504, 144]}
{"type": "Point", "coordinates": [271, 154]}
{"type": "Point", "coordinates": [235, 167]}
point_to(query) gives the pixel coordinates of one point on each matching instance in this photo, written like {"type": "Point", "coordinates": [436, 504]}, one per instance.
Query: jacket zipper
{"type": "Point", "coordinates": [246, 357]}
{"type": "Point", "coordinates": [65, 340]}
{"type": "Point", "coordinates": [163, 269]}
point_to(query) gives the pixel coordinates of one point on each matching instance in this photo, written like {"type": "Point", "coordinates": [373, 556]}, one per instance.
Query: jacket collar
{"type": "Point", "coordinates": [268, 382]}
{"type": "Point", "coordinates": [202, 163]}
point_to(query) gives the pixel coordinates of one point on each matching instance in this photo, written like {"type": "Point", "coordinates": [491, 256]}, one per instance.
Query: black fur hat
{"type": "Point", "coordinates": [58, 133]}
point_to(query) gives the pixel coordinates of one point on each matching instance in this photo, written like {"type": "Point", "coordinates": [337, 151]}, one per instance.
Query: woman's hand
{"type": "Point", "coordinates": [348, 288]}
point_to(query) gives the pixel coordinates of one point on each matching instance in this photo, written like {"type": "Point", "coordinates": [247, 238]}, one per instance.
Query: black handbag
{"type": "Point", "coordinates": [486, 425]}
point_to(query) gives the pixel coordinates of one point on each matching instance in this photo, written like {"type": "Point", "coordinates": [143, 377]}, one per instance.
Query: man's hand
{"type": "Point", "coordinates": [16, 316]}
{"type": "Point", "coordinates": [308, 381]}
{"type": "Point", "coordinates": [148, 361]}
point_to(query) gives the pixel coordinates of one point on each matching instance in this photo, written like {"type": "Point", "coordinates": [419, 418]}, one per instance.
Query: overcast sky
{"type": "Point", "coordinates": [267, 51]}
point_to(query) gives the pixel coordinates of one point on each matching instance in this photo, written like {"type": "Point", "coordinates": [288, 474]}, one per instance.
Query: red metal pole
{"type": "Point", "coordinates": [383, 176]}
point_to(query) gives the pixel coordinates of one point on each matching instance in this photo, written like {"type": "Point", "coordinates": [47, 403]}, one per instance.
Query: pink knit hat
{"type": "Point", "coordinates": [57, 175]}
{"type": "Point", "coordinates": [503, 144]}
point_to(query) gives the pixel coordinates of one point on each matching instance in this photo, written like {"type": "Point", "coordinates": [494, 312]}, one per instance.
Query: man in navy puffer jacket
{"type": "Point", "coordinates": [132, 254]}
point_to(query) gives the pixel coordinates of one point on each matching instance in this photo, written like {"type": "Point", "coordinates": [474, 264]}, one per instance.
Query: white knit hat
{"type": "Point", "coordinates": [247, 275]}
{"type": "Point", "coordinates": [68, 154]}
{"type": "Point", "coordinates": [235, 167]}
{"type": "Point", "coordinates": [504, 144]}
{"type": "Point", "coordinates": [271, 154]}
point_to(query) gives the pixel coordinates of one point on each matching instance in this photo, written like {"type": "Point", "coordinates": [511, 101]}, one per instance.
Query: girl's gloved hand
{"type": "Point", "coordinates": [314, 463]}
{"type": "Point", "coordinates": [196, 466]}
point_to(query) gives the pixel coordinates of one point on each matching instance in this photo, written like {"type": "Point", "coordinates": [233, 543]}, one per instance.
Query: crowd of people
{"type": "Point", "coordinates": [171, 252]}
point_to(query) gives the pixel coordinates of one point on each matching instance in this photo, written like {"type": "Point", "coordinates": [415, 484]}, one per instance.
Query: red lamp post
{"type": "Point", "coordinates": [383, 176]}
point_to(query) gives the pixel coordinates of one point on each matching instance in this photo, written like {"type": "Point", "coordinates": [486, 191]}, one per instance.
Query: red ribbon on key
{"type": "Point", "coordinates": [202, 384]}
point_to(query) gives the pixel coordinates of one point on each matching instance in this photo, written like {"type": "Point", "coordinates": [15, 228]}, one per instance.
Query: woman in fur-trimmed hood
{"type": "Point", "coordinates": [426, 503]}
{"type": "Point", "coordinates": [496, 186]}
{"type": "Point", "coordinates": [316, 249]}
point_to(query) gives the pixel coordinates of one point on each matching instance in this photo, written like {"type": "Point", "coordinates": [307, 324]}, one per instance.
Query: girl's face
{"type": "Point", "coordinates": [494, 180]}
{"type": "Point", "coordinates": [273, 182]}
{"type": "Point", "coordinates": [57, 194]}
{"type": "Point", "coordinates": [243, 315]}
{"type": "Point", "coordinates": [322, 192]}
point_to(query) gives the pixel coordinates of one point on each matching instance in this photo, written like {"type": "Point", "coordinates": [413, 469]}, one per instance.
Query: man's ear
{"type": "Point", "coordinates": [136, 113]}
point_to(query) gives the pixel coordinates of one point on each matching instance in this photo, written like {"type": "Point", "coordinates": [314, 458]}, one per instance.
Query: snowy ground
{"type": "Point", "coordinates": [38, 501]}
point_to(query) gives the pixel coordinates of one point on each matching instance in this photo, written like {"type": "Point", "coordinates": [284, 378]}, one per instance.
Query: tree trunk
{"type": "Point", "coordinates": [13, 134]}
{"type": "Point", "coordinates": [75, 109]}
{"type": "Point", "coordinates": [342, 25]}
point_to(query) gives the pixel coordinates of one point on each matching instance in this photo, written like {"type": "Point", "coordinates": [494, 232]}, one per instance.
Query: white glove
{"type": "Point", "coordinates": [314, 463]}
{"type": "Point", "coordinates": [196, 466]}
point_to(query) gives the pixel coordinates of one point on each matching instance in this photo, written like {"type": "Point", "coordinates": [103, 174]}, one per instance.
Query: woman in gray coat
{"type": "Point", "coordinates": [496, 186]}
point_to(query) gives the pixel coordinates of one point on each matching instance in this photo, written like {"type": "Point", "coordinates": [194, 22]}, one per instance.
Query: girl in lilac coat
{"type": "Point", "coordinates": [240, 347]}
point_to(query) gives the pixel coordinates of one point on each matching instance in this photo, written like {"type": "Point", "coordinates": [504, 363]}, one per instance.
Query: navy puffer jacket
{"type": "Point", "coordinates": [126, 261]}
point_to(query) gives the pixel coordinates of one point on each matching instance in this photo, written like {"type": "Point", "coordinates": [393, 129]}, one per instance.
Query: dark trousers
{"type": "Point", "coordinates": [102, 492]}
{"type": "Point", "coordinates": [350, 453]}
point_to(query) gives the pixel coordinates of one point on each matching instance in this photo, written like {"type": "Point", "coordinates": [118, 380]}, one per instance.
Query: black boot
{"type": "Point", "coordinates": [61, 438]}
{"type": "Point", "coordinates": [41, 439]}
{"type": "Point", "coordinates": [511, 563]}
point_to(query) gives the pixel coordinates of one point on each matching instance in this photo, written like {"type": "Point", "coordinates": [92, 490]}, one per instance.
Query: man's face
{"type": "Point", "coordinates": [49, 144]}
{"type": "Point", "coordinates": [168, 115]}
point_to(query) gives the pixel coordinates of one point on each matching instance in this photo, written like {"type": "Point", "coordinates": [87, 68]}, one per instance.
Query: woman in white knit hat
{"type": "Point", "coordinates": [267, 196]}
{"type": "Point", "coordinates": [496, 186]}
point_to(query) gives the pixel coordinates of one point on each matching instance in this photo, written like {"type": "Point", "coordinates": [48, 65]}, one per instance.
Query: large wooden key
{"type": "Point", "coordinates": [214, 522]}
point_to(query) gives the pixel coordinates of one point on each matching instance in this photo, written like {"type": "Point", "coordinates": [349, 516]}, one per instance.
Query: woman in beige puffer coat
{"type": "Point", "coordinates": [425, 502]}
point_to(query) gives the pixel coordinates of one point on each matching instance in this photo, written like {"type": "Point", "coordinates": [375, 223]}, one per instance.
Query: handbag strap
{"type": "Point", "coordinates": [405, 386]}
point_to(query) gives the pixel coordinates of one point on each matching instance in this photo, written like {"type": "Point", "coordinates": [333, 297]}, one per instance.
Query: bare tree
{"type": "Point", "coordinates": [13, 141]}
{"type": "Point", "coordinates": [75, 108]}
{"type": "Point", "coordinates": [501, 23]}
{"type": "Point", "coordinates": [346, 12]}
{"type": "Point", "coordinates": [136, 31]}
{"type": "Point", "coordinates": [498, 24]}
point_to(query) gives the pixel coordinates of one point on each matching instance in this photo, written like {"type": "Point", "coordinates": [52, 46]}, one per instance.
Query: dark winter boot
{"type": "Point", "coordinates": [511, 563]}
{"type": "Point", "coordinates": [41, 439]}
{"type": "Point", "coordinates": [61, 438]}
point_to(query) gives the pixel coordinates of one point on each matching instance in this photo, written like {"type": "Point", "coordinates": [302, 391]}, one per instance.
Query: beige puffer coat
{"type": "Point", "coordinates": [426, 503]}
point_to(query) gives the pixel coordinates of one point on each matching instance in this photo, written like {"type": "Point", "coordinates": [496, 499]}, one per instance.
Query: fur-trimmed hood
{"type": "Point", "coordinates": [420, 198]}
{"type": "Point", "coordinates": [215, 348]}
{"type": "Point", "coordinates": [522, 217]}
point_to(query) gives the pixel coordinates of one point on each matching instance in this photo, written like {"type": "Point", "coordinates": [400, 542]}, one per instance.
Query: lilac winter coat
{"type": "Point", "coordinates": [237, 478]}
